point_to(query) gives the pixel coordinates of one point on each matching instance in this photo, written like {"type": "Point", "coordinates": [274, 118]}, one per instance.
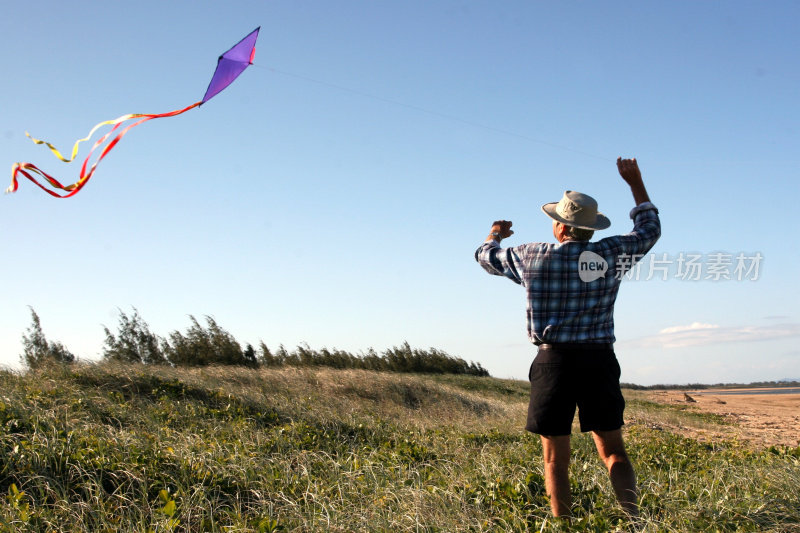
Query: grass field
{"type": "Point", "coordinates": [108, 447]}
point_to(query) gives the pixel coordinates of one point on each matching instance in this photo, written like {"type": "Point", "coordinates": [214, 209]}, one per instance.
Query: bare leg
{"type": "Point", "coordinates": [611, 448]}
{"type": "Point", "coordinates": [556, 451]}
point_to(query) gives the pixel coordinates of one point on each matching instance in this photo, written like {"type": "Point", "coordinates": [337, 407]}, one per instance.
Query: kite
{"type": "Point", "coordinates": [229, 66]}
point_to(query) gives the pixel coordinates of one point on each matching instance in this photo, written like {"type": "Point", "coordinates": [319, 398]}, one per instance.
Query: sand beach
{"type": "Point", "coordinates": [761, 417]}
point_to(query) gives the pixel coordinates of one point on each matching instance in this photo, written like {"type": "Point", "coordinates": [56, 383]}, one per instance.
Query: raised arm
{"type": "Point", "coordinates": [646, 224]}
{"type": "Point", "coordinates": [629, 170]}
{"type": "Point", "coordinates": [501, 229]}
{"type": "Point", "coordinates": [496, 260]}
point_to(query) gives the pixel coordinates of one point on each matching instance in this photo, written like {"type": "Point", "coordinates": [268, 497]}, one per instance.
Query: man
{"type": "Point", "coordinates": [571, 287]}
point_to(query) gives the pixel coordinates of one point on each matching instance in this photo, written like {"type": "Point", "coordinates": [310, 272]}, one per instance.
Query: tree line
{"type": "Point", "coordinates": [210, 344]}
{"type": "Point", "coordinates": [705, 386]}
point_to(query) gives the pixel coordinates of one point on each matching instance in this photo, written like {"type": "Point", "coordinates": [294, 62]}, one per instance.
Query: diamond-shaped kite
{"type": "Point", "coordinates": [229, 66]}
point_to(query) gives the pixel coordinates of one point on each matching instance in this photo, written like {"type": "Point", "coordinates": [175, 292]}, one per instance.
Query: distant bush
{"type": "Point", "coordinates": [703, 386]}
{"type": "Point", "coordinates": [212, 345]}
{"type": "Point", "coordinates": [396, 359]}
{"type": "Point", "coordinates": [134, 343]}
{"type": "Point", "coordinates": [201, 346]}
{"type": "Point", "coordinates": [37, 350]}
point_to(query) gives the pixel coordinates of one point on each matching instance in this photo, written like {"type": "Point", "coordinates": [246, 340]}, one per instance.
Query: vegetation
{"type": "Point", "coordinates": [401, 358]}
{"type": "Point", "coordinates": [38, 351]}
{"type": "Point", "coordinates": [134, 342]}
{"type": "Point", "coordinates": [128, 447]}
{"type": "Point", "coordinates": [212, 345]}
{"type": "Point", "coordinates": [205, 346]}
{"type": "Point", "coordinates": [703, 386]}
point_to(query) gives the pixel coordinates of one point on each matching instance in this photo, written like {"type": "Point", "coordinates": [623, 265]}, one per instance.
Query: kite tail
{"type": "Point", "coordinates": [26, 169]}
{"type": "Point", "coordinates": [55, 151]}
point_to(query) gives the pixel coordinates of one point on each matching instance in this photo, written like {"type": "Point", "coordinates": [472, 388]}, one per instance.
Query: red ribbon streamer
{"type": "Point", "coordinates": [24, 168]}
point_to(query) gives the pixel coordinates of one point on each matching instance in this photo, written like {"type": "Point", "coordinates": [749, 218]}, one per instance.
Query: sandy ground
{"type": "Point", "coordinates": [760, 419]}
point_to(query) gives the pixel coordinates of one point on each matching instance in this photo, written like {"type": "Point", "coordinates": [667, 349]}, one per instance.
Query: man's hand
{"type": "Point", "coordinates": [503, 230]}
{"type": "Point", "coordinates": [629, 170]}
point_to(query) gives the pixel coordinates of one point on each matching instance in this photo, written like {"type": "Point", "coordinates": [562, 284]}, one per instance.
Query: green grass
{"type": "Point", "coordinates": [131, 448]}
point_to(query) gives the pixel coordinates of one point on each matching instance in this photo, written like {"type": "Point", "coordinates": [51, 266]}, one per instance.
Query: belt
{"type": "Point", "coordinates": [577, 346]}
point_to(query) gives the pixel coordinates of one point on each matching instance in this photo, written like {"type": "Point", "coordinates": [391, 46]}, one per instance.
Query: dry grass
{"type": "Point", "coordinates": [131, 448]}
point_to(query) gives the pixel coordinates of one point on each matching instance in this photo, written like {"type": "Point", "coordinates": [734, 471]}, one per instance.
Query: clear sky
{"type": "Point", "coordinates": [336, 192]}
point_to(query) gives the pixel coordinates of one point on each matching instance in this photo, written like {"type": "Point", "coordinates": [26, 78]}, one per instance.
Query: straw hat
{"type": "Point", "coordinates": [577, 210]}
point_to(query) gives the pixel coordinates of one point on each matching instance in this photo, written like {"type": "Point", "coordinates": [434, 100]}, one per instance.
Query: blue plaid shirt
{"type": "Point", "coordinates": [571, 292]}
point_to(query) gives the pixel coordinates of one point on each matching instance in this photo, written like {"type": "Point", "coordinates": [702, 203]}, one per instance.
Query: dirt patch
{"type": "Point", "coordinates": [760, 419]}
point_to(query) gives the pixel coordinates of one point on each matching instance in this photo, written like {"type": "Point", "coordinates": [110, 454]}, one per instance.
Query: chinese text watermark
{"type": "Point", "coordinates": [683, 266]}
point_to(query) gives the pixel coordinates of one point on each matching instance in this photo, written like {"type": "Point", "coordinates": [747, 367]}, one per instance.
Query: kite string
{"type": "Point", "coordinates": [434, 113]}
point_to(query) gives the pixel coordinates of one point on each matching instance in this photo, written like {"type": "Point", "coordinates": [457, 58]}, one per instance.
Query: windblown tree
{"type": "Point", "coordinates": [37, 350]}
{"type": "Point", "coordinates": [133, 343]}
{"type": "Point", "coordinates": [401, 358]}
{"type": "Point", "coordinates": [201, 346]}
{"type": "Point", "coordinates": [265, 357]}
{"type": "Point", "coordinates": [250, 356]}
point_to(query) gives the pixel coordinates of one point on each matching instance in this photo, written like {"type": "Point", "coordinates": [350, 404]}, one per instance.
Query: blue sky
{"type": "Point", "coordinates": [336, 192]}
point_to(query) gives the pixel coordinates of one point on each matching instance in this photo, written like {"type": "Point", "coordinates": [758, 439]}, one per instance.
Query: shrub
{"type": "Point", "coordinates": [37, 351]}
{"type": "Point", "coordinates": [134, 342]}
{"type": "Point", "coordinates": [204, 346]}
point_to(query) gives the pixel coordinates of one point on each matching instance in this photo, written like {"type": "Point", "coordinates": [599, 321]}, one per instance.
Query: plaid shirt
{"type": "Point", "coordinates": [562, 307]}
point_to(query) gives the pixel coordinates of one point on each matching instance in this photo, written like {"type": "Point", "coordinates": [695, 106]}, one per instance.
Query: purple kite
{"type": "Point", "coordinates": [229, 66]}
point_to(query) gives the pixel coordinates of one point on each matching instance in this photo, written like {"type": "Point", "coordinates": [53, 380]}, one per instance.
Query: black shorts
{"type": "Point", "coordinates": [564, 376]}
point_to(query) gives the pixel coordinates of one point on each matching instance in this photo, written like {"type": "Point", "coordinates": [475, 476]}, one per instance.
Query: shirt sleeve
{"type": "Point", "coordinates": [499, 261]}
{"type": "Point", "coordinates": [646, 230]}
{"type": "Point", "coordinates": [644, 206]}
